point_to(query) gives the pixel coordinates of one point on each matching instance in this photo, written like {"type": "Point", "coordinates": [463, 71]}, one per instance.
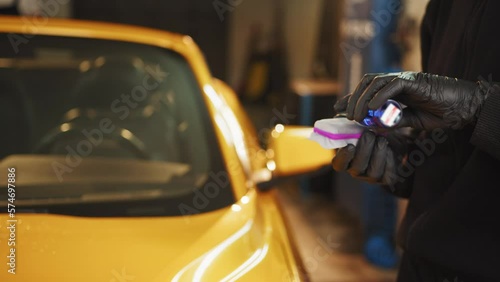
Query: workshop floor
{"type": "Point", "coordinates": [329, 240]}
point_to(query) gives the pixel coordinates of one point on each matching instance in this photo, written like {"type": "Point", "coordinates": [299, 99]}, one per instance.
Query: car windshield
{"type": "Point", "coordinates": [105, 128]}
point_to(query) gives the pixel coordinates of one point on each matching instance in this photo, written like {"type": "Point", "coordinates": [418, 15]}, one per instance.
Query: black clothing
{"type": "Point", "coordinates": [451, 231]}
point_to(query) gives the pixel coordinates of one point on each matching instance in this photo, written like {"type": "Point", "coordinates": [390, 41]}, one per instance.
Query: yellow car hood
{"type": "Point", "coordinates": [225, 245]}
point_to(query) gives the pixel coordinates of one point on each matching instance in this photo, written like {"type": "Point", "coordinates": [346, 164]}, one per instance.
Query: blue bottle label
{"type": "Point", "coordinates": [391, 115]}
{"type": "Point", "coordinates": [388, 115]}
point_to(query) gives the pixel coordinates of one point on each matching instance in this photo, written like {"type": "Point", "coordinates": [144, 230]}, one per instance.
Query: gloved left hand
{"type": "Point", "coordinates": [375, 159]}
{"type": "Point", "coordinates": [432, 101]}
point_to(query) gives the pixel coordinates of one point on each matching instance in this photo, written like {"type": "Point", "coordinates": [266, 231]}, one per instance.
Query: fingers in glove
{"type": "Point", "coordinates": [343, 158]}
{"type": "Point", "coordinates": [410, 119]}
{"type": "Point", "coordinates": [341, 105]}
{"type": "Point", "coordinates": [367, 79]}
{"type": "Point", "coordinates": [376, 167]}
{"type": "Point", "coordinates": [390, 176]}
{"type": "Point", "coordinates": [378, 83]}
{"type": "Point", "coordinates": [362, 157]}
{"type": "Point", "coordinates": [394, 88]}
{"type": "Point", "coordinates": [399, 140]}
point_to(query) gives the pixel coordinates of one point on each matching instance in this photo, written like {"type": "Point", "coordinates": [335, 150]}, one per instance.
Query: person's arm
{"type": "Point", "coordinates": [486, 135]}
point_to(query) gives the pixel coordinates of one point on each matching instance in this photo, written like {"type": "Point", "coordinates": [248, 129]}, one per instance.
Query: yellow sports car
{"type": "Point", "coordinates": [123, 159]}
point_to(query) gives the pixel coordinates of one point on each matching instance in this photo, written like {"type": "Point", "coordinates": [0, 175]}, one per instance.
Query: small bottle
{"type": "Point", "coordinates": [389, 115]}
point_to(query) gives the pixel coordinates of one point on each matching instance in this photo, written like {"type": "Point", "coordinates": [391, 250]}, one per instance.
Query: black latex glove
{"type": "Point", "coordinates": [432, 101]}
{"type": "Point", "coordinates": [374, 159]}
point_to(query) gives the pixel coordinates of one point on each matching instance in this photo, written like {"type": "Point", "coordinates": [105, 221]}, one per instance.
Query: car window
{"type": "Point", "coordinates": [92, 114]}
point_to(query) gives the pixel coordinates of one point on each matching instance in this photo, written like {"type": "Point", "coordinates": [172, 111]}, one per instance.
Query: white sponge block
{"type": "Point", "coordinates": [334, 133]}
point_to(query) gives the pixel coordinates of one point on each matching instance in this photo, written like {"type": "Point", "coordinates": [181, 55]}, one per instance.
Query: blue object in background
{"type": "Point", "coordinates": [379, 220]}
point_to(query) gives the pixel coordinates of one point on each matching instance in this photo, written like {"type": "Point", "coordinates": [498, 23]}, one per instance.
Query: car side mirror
{"type": "Point", "coordinates": [292, 153]}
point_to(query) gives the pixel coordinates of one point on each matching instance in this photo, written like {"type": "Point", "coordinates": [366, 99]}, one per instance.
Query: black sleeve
{"type": "Point", "coordinates": [427, 30]}
{"type": "Point", "coordinates": [486, 135]}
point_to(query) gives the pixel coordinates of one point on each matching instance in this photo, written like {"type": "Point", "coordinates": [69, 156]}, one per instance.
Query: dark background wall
{"type": "Point", "coordinates": [196, 18]}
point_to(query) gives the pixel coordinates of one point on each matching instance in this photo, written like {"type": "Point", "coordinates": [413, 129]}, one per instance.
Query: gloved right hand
{"type": "Point", "coordinates": [432, 101]}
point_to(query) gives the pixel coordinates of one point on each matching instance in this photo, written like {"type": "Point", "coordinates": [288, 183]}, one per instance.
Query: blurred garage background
{"type": "Point", "coordinates": [289, 61]}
